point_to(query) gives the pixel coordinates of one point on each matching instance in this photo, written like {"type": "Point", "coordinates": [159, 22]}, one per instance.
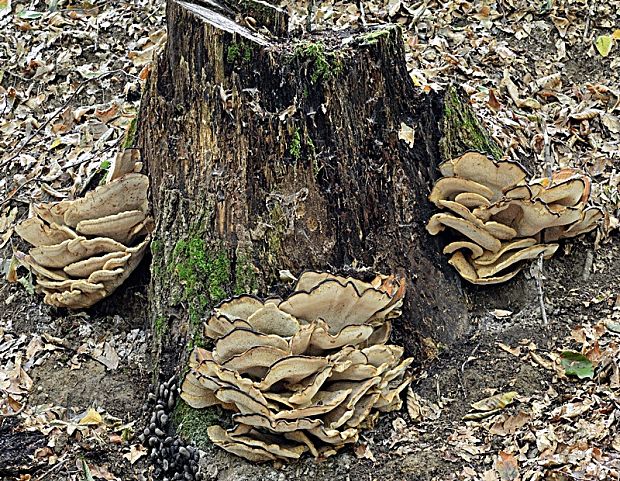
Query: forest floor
{"type": "Point", "coordinates": [538, 74]}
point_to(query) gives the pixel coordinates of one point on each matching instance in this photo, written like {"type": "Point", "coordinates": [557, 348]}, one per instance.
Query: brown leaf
{"type": "Point", "coordinates": [506, 466]}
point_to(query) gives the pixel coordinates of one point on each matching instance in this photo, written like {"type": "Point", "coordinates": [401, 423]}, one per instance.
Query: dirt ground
{"type": "Point", "coordinates": [398, 448]}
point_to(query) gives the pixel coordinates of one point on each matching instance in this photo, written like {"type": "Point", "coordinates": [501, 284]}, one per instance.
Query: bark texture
{"type": "Point", "coordinates": [268, 153]}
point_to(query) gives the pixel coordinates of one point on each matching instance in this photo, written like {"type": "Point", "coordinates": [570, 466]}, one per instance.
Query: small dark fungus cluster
{"type": "Point", "coordinates": [171, 458]}
{"type": "Point", "coordinates": [502, 218]}
{"type": "Point", "coordinates": [85, 248]}
{"type": "Point", "coordinates": [301, 374]}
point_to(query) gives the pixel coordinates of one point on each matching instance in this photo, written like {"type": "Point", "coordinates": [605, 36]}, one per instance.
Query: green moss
{"type": "Point", "coordinates": [373, 37]}
{"type": "Point", "coordinates": [239, 51]}
{"type": "Point", "coordinates": [192, 423]}
{"type": "Point", "coordinates": [324, 65]}
{"type": "Point", "coordinates": [295, 147]}
{"type": "Point", "coordinates": [203, 273]}
{"type": "Point", "coordinates": [278, 223]}
{"type": "Point", "coordinates": [245, 276]}
{"type": "Point", "coordinates": [462, 130]}
{"type": "Point", "coordinates": [161, 326]}
{"type": "Point", "coordinates": [130, 134]}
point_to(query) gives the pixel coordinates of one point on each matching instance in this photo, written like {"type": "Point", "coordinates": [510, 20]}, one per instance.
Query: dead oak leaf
{"type": "Point", "coordinates": [506, 466]}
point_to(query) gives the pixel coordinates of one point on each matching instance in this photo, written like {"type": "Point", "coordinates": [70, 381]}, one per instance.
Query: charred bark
{"type": "Point", "coordinates": [268, 153]}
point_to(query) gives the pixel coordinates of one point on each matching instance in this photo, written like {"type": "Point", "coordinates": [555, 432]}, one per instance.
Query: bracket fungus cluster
{"type": "Point", "coordinates": [305, 373]}
{"type": "Point", "coordinates": [502, 218]}
{"type": "Point", "coordinates": [84, 249]}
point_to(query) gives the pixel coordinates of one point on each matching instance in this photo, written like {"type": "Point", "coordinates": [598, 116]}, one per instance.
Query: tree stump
{"type": "Point", "coordinates": [267, 153]}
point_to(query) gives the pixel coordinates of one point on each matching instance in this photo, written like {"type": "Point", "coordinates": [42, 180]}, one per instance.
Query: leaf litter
{"type": "Point", "coordinates": [542, 76]}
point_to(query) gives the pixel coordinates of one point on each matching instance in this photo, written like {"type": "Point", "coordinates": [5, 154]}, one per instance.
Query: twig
{"type": "Point", "coordinates": [587, 268]}
{"type": "Point", "coordinates": [56, 466]}
{"type": "Point", "coordinates": [537, 272]}
{"type": "Point", "coordinates": [60, 109]}
{"type": "Point", "coordinates": [462, 374]}
{"type": "Point", "coordinates": [548, 158]}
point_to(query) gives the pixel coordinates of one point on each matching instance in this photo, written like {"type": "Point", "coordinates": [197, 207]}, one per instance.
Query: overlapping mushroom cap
{"type": "Point", "coordinates": [302, 374]}
{"type": "Point", "coordinates": [84, 249]}
{"type": "Point", "coordinates": [502, 218]}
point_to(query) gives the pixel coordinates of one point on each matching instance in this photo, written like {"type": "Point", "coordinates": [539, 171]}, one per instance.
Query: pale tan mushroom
{"type": "Point", "coordinates": [490, 257]}
{"type": "Point", "coordinates": [512, 257]}
{"type": "Point", "coordinates": [116, 226]}
{"type": "Point", "coordinates": [128, 193]}
{"type": "Point", "coordinates": [299, 372]}
{"type": "Point", "coordinates": [497, 176]}
{"type": "Point", "coordinates": [475, 249]}
{"type": "Point", "coordinates": [468, 272]}
{"type": "Point", "coordinates": [472, 200]}
{"type": "Point", "coordinates": [476, 233]}
{"type": "Point", "coordinates": [38, 233]}
{"type": "Point", "coordinates": [447, 188]}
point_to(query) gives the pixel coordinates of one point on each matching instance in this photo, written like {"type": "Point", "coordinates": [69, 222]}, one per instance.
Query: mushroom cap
{"type": "Point", "coordinates": [338, 305]}
{"type": "Point", "coordinates": [240, 340]}
{"type": "Point", "coordinates": [497, 176]}
{"type": "Point", "coordinates": [118, 227]}
{"type": "Point", "coordinates": [124, 163]}
{"type": "Point", "coordinates": [569, 192]}
{"type": "Point", "coordinates": [271, 320]}
{"type": "Point", "coordinates": [447, 188]}
{"type": "Point", "coordinates": [491, 257]}
{"type": "Point", "coordinates": [512, 257]}
{"type": "Point", "coordinates": [470, 199]}
{"type": "Point", "coordinates": [38, 233]}
{"type": "Point", "coordinates": [467, 271]}
{"type": "Point", "coordinates": [121, 195]}
{"type": "Point", "coordinates": [500, 231]}
{"type": "Point", "coordinates": [470, 230]}
{"type": "Point", "coordinates": [475, 249]}
{"type": "Point", "coordinates": [589, 221]}
{"type": "Point", "coordinates": [74, 250]}
{"type": "Point", "coordinates": [460, 210]}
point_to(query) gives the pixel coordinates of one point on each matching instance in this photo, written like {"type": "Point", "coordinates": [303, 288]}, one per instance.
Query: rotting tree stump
{"type": "Point", "coordinates": [267, 152]}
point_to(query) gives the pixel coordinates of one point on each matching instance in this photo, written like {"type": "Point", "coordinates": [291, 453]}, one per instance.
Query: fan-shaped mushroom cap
{"type": "Point", "coordinates": [256, 360]}
{"type": "Point", "coordinates": [194, 394]}
{"type": "Point", "coordinates": [74, 250]}
{"type": "Point", "coordinates": [240, 340]}
{"type": "Point", "coordinates": [467, 271]}
{"type": "Point", "coordinates": [460, 210]}
{"type": "Point", "coordinates": [307, 388]}
{"type": "Point", "coordinates": [86, 267]}
{"type": "Point", "coordinates": [37, 233]}
{"type": "Point", "coordinates": [500, 231]}
{"type": "Point", "coordinates": [241, 307]}
{"type": "Point", "coordinates": [353, 334]}
{"type": "Point", "coordinates": [125, 194]}
{"type": "Point", "coordinates": [474, 232]}
{"type": "Point", "coordinates": [73, 299]}
{"type": "Point", "coordinates": [568, 192]}
{"type": "Point", "coordinates": [497, 176]}
{"type": "Point", "coordinates": [447, 188]}
{"type": "Point", "coordinates": [323, 402]}
{"type": "Point", "coordinates": [116, 226]}
{"type": "Point", "coordinates": [292, 370]}
{"type": "Point", "coordinates": [336, 304]}
{"type": "Point", "coordinates": [271, 320]}
{"type": "Point", "coordinates": [491, 257]}
{"type": "Point", "coordinates": [253, 439]}
{"type": "Point", "coordinates": [278, 425]}
{"type": "Point", "coordinates": [513, 257]}
{"type": "Point", "coordinates": [475, 249]}
{"type": "Point", "coordinates": [472, 200]}
{"type": "Point", "coordinates": [71, 284]}
{"type": "Point", "coordinates": [43, 272]}
{"type": "Point", "coordinates": [125, 162]}
{"type": "Point", "coordinates": [590, 218]}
